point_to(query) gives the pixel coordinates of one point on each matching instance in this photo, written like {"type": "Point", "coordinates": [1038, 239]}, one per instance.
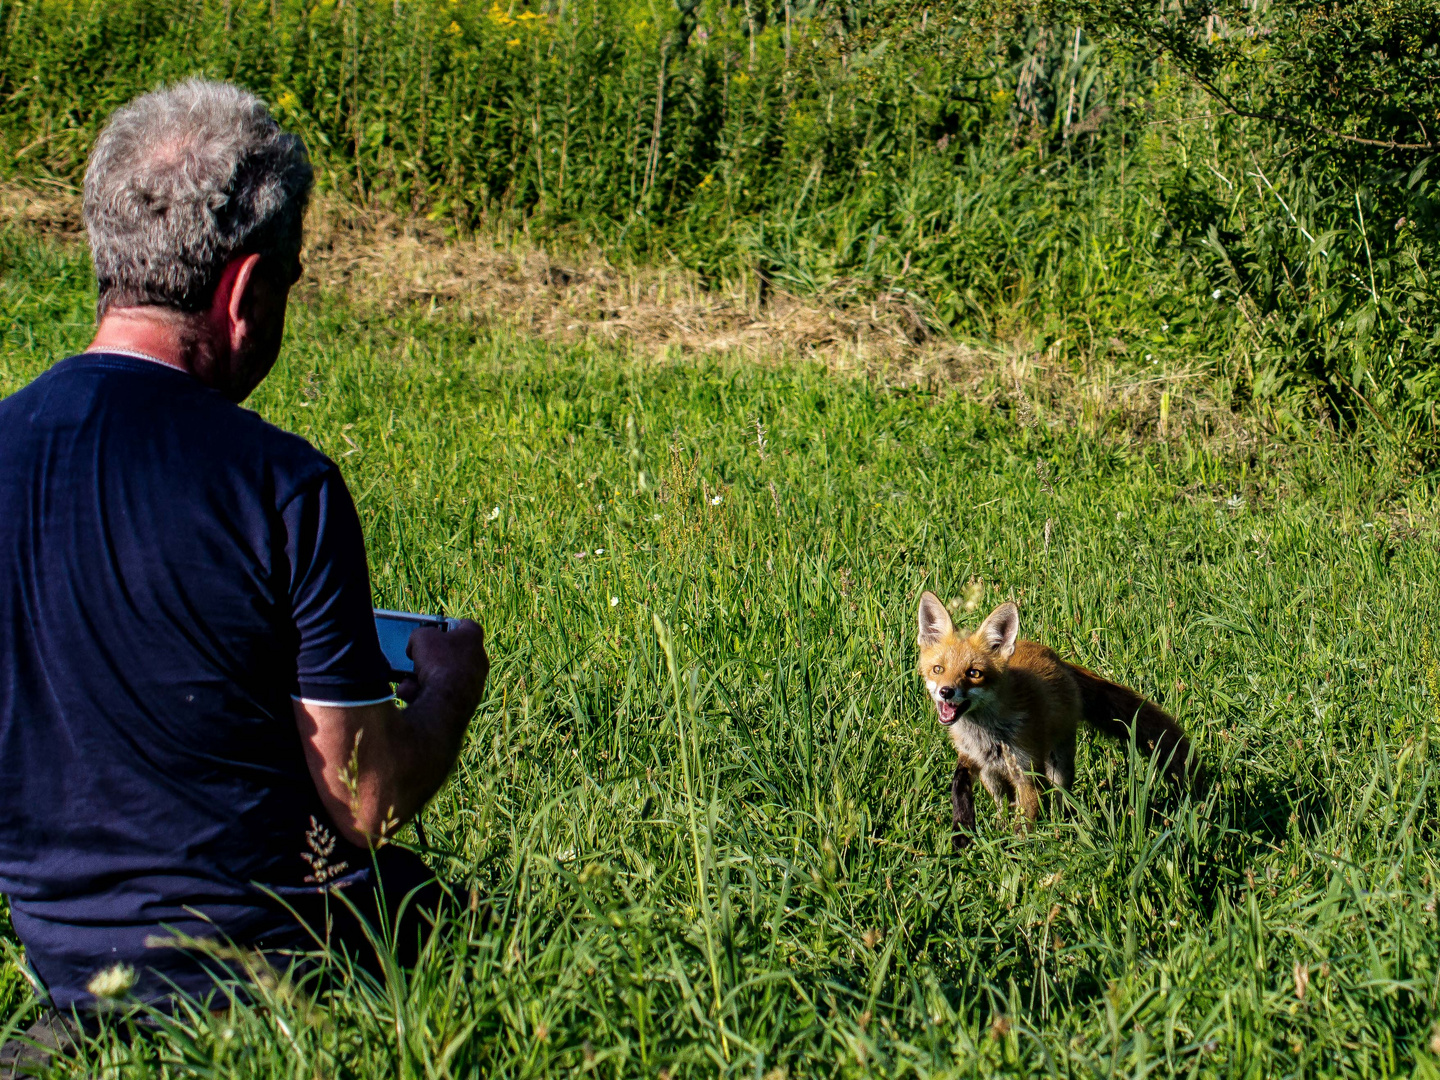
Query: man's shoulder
{"type": "Point", "coordinates": [166, 409]}
{"type": "Point", "coordinates": [279, 445]}
{"type": "Point", "coordinates": [292, 462]}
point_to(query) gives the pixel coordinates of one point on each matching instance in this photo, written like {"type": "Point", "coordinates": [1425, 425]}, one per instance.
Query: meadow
{"type": "Point", "coordinates": [701, 823]}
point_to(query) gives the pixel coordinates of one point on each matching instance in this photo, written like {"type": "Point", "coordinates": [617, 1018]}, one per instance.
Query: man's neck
{"type": "Point", "coordinates": [166, 336]}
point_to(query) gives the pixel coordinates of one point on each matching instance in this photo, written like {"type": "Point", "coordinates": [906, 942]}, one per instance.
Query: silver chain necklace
{"type": "Point", "coordinates": [133, 354]}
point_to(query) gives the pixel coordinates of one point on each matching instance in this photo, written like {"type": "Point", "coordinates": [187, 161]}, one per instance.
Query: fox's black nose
{"type": "Point", "coordinates": [947, 692]}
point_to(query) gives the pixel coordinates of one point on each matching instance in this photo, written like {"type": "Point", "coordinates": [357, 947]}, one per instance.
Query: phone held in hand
{"type": "Point", "coordinates": [395, 628]}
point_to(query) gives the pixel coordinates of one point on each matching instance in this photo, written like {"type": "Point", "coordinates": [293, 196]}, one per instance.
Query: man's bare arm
{"type": "Point", "coordinates": [375, 766]}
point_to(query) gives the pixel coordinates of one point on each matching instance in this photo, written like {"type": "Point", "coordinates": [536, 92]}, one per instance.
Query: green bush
{"type": "Point", "coordinates": [1348, 95]}
{"type": "Point", "coordinates": [1009, 175]}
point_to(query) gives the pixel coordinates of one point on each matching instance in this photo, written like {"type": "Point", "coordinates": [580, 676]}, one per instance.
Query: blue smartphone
{"type": "Point", "coordinates": [395, 628]}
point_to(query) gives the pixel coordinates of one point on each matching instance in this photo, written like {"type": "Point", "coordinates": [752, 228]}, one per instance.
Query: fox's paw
{"type": "Point", "coordinates": [959, 841]}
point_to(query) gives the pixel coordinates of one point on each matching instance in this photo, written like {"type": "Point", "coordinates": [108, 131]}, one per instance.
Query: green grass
{"type": "Point", "coordinates": [705, 795]}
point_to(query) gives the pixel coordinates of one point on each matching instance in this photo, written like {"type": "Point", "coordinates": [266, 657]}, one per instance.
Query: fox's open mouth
{"type": "Point", "coordinates": [949, 711]}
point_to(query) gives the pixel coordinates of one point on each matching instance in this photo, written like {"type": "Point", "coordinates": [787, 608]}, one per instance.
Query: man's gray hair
{"type": "Point", "coordinates": [180, 182]}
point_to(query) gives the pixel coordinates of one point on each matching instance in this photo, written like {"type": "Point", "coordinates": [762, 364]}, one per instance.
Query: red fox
{"type": "Point", "coordinates": [1012, 708]}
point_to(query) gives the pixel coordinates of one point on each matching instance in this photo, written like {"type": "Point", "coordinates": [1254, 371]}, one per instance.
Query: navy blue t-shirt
{"type": "Point", "coordinates": [173, 570]}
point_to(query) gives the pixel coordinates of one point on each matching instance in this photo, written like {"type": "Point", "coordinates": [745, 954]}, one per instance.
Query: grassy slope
{"type": "Point", "coordinates": [734, 856]}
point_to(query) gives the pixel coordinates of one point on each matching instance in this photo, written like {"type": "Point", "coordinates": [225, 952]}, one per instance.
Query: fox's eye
{"type": "Point", "coordinates": [973, 673]}
{"type": "Point", "coordinates": [938, 668]}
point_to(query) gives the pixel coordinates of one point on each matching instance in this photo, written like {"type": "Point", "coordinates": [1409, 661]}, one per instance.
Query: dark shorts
{"type": "Point", "coordinates": [399, 911]}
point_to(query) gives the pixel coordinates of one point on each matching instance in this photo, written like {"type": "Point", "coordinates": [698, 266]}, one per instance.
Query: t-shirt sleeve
{"type": "Point", "coordinates": [339, 661]}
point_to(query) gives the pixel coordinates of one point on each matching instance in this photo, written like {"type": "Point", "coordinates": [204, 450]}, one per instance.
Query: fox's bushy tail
{"type": "Point", "coordinates": [1115, 710]}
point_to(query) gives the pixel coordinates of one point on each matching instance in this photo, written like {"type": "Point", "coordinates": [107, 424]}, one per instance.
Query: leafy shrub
{"type": "Point", "coordinates": [1347, 94]}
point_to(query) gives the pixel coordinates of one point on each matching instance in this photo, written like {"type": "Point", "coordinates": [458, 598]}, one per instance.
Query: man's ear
{"type": "Point", "coordinates": [934, 620]}
{"type": "Point", "coordinates": [1000, 629]}
{"type": "Point", "coordinates": [232, 308]}
{"type": "Point", "coordinates": [238, 280]}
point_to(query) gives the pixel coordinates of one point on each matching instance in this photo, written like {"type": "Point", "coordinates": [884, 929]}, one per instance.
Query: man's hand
{"type": "Point", "coordinates": [375, 766]}
{"type": "Point", "coordinates": [449, 661]}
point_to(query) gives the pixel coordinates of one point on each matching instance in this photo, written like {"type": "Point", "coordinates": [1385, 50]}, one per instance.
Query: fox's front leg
{"type": "Point", "coordinates": [1027, 799]}
{"type": "Point", "coordinates": [1021, 781]}
{"type": "Point", "coordinates": [962, 806]}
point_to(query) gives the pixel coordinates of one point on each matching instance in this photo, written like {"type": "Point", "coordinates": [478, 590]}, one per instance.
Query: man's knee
{"type": "Point", "coordinates": [395, 911]}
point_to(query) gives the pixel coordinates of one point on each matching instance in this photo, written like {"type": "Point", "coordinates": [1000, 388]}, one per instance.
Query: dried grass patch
{"type": "Point", "coordinates": [380, 261]}
{"type": "Point", "coordinates": [52, 211]}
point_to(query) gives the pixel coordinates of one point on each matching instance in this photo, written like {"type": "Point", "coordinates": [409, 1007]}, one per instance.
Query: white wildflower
{"type": "Point", "coordinates": [717, 500]}
{"type": "Point", "coordinates": [1215, 295]}
{"type": "Point", "coordinates": [113, 982]}
{"type": "Point", "coordinates": [494, 514]}
{"type": "Point", "coordinates": [973, 593]}
{"type": "Point", "coordinates": [599, 551]}
{"type": "Point", "coordinates": [614, 601]}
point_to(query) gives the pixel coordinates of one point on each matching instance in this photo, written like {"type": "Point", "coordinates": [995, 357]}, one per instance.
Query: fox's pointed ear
{"type": "Point", "coordinates": [934, 620]}
{"type": "Point", "coordinates": [1001, 628]}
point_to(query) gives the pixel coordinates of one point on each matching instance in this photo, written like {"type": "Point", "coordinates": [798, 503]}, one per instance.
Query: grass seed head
{"type": "Point", "coordinates": [112, 983]}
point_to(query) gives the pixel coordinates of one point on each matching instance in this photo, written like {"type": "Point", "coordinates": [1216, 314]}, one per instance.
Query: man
{"type": "Point", "coordinates": [188, 660]}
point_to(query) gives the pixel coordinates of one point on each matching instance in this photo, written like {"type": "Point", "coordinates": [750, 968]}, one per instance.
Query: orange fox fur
{"type": "Point", "coordinates": [1012, 707]}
